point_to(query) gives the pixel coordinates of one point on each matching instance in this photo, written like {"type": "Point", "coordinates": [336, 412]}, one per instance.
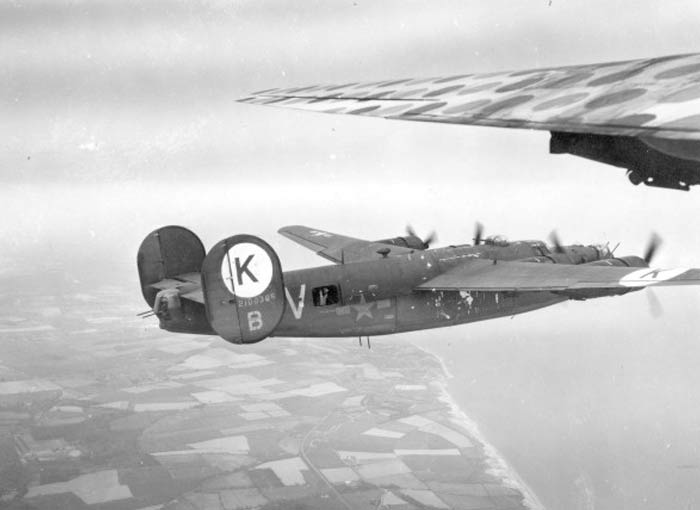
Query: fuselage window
{"type": "Point", "coordinates": [326, 295]}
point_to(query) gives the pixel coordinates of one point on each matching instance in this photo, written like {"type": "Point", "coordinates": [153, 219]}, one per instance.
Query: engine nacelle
{"type": "Point", "coordinates": [628, 261]}
{"type": "Point", "coordinates": [661, 164]}
{"type": "Point", "coordinates": [579, 254]}
{"type": "Point", "coordinates": [544, 259]}
{"type": "Point", "coordinates": [409, 241]}
{"type": "Point", "coordinates": [574, 254]}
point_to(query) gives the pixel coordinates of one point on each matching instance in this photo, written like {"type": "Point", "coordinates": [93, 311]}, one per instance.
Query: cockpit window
{"type": "Point", "coordinates": [496, 241]}
{"type": "Point", "coordinates": [604, 251]}
{"type": "Point", "coordinates": [326, 296]}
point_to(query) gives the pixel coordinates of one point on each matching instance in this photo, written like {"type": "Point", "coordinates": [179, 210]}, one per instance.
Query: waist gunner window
{"type": "Point", "coordinates": [326, 295]}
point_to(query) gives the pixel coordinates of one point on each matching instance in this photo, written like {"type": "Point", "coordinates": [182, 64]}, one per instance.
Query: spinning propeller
{"type": "Point", "coordinates": [478, 233]}
{"type": "Point", "coordinates": [653, 245]}
{"type": "Point", "coordinates": [556, 242]}
{"type": "Point", "coordinates": [432, 237]}
{"type": "Point", "coordinates": [655, 308]}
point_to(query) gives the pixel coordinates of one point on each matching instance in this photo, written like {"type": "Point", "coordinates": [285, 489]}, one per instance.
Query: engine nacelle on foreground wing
{"type": "Point", "coordinates": [627, 261]}
{"type": "Point", "coordinates": [573, 254]}
{"type": "Point", "coordinates": [235, 291]}
{"type": "Point", "coordinates": [644, 160]}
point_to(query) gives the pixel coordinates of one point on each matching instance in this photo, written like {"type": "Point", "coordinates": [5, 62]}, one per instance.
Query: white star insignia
{"type": "Point", "coordinates": [363, 309]}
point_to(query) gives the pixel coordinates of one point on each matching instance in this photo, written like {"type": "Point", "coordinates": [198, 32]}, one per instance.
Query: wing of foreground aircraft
{"type": "Point", "coordinates": [486, 275]}
{"type": "Point", "coordinates": [658, 97]}
{"type": "Point", "coordinates": [643, 115]}
{"type": "Point", "coordinates": [338, 248]}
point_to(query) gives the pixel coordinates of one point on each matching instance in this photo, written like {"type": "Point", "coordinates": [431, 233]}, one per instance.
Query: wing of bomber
{"type": "Point", "coordinates": [338, 248]}
{"type": "Point", "coordinates": [487, 275]}
{"type": "Point", "coordinates": [658, 98]}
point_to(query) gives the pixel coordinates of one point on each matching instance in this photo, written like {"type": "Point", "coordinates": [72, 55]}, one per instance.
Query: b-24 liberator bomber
{"type": "Point", "coordinates": [238, 289]}
{"type": "Point", "coordinates": [640, 115]}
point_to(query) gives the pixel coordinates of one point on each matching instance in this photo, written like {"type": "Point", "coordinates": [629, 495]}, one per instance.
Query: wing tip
{"type": "Point", "coordinates": [287, 228]}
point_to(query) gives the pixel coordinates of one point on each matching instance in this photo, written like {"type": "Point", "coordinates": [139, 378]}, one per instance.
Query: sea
{"type": "Point", "coordinates": [594, 405]}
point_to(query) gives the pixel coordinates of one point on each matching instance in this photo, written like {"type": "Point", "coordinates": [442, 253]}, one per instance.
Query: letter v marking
{"type": "Point", "coordinates": [297, 308]}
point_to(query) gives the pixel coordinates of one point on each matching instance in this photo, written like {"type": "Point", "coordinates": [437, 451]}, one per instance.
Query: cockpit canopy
{"type": "Point", "coordinates": [497, 240]}
{"type": "Point", "coordinates": [604, 251]}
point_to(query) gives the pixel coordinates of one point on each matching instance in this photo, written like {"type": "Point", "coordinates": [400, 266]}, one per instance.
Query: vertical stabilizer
{"type": "Point", "coordinates": [243, 289]}
{"type": "Point", "coordinates": [165, 253]}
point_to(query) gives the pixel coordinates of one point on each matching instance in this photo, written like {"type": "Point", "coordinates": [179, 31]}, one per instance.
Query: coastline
{"type": "Point", "coordinates": [498, 464]}
{"type": "Point", "coordinates": [191, 420]}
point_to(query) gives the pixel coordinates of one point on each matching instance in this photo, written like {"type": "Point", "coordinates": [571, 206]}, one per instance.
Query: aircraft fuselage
{"type": "Point", "coordinates": [239, 291]}
{"type": "Point", "coordinates": [378, 297]}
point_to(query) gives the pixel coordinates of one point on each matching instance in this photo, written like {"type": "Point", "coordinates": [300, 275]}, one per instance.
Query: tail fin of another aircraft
{"type": "Point", "coordinates": [243, 289]}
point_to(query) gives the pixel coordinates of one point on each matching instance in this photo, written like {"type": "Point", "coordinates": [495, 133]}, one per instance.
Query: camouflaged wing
{"type": "Point", "coordinates": [657, 97]}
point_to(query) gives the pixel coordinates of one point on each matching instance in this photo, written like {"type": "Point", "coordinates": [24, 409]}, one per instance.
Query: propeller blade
{"type": "Point", "coordinates": [556, 242]}
{"type": "Point", "coordinates": [653, 245]}
{"type": "Point", "coordinates": [432, 237]}
{"type": "Point", "coordinates": [478, 233]}
{"type": "Point", "coordinates": [655, 308]}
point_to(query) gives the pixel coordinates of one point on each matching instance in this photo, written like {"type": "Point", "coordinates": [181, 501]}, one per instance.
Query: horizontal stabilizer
{"type": "Point", "coordinates": [189, 286]}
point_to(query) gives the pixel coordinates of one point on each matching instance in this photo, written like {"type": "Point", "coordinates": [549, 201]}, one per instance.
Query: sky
{"type": "Point", "coordinates": [117, 117]}
{"type": "Point", "coordinates": [120, 116]}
